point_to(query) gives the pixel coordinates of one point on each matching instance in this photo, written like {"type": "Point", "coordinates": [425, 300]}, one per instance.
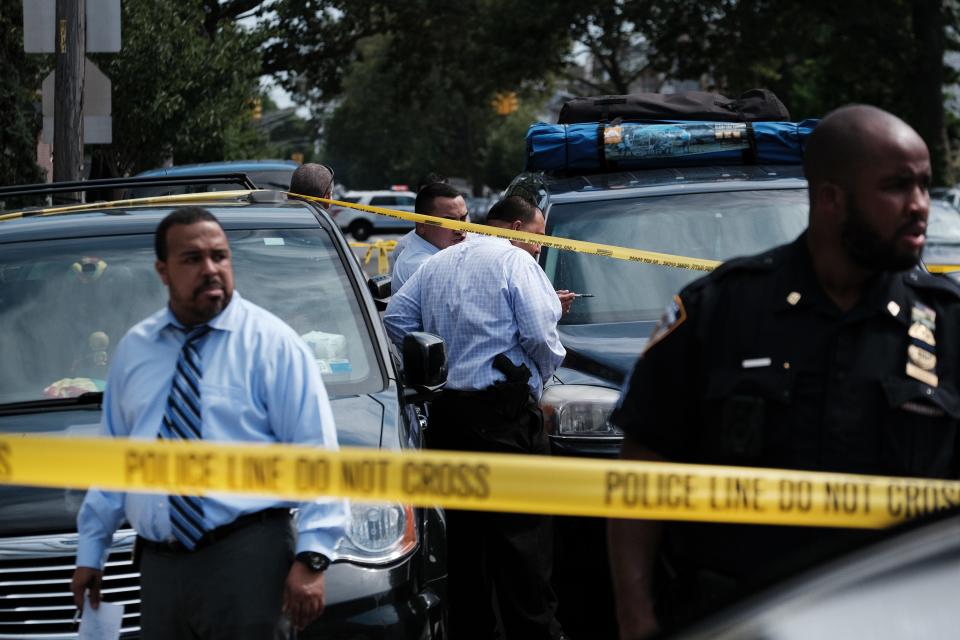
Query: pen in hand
{"type": "Point", "coordinates": [584, 295]}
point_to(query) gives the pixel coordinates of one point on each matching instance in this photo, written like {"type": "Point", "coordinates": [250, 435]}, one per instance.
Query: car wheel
{"type": "Point", "coordinates": [361, 230]}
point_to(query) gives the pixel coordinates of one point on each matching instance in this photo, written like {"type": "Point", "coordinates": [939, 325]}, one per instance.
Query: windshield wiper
{"type": "Point", "coordinates": [90, 398]}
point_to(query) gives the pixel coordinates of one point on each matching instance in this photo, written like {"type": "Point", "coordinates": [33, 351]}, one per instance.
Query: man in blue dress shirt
{"type": "Point", "coordinates": [213, 366]}
{"type": "Point", "coordinates": [497, 312]}
{"type": "Point", "coordinates": [435, 199]}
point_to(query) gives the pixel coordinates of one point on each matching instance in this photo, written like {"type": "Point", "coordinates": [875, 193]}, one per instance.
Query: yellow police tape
{"type": "Point", "coordinates": [942, 268]}
{"type": "Point", "coordinates": [564, 244]}
{"type": "Point", "coordinates": [382, 248]}
{"type": "Point", "coordinates": [185, 198]}
{"type": "Point", "coordinates": [485, 482]}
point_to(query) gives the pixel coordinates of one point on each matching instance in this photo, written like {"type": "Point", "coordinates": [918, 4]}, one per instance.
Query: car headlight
{"type": "Point", "coordinates": [378, 533]}
{"type": "Point", "coordinates": [580, 411]}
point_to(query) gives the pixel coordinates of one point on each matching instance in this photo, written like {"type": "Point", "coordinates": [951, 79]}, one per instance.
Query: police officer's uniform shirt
{"type": "Point", "coordinates": [484, 297]}
{"type": "Point", "coordinates": [754, 365]}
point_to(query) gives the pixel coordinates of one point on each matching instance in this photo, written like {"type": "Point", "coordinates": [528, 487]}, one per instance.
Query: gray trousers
{"type": "Point", "coordinates": [232, 589]}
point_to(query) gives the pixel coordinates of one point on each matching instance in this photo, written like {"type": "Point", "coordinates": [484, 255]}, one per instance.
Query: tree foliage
{"type": "Point", "coordinates": [177, 91]}
{"type": "Point", "coordinates": [20, 119]}
{"type": "Point", "coordinates": [412, 83]}
{"type": "Point", "coordinates": [817, 55]}
{"type": "Point", "coordinates": [613, 33]}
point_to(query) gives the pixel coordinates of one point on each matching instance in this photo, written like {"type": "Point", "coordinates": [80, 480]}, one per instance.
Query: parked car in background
{"type": "Point", "coordinates": [943, 239]}
{"type": "Point", "coordinates": [479, 207]}
{"type": "Point", "coordinates": [265, 174]}
{"type": "Point", "coordinates": [71, 284]}
{"type": "Point", "coordinates": [362, 224]}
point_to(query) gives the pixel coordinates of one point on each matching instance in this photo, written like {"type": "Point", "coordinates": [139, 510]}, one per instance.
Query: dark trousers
{"type": "Point", "coordinates": [230, 589]}
{"type": "Point", "coordinates": [495, 557]}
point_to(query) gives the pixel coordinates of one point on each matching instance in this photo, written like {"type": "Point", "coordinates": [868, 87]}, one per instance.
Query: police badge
{"type": "Point", "coordinates": [922, 350]}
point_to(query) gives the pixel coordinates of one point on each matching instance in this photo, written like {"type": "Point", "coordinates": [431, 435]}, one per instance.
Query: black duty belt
{"type": "Point", "coordinates": [217, 534]}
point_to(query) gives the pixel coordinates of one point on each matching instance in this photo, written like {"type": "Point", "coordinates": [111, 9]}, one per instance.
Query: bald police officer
{"type": "Point", "coordinates": [832, 353]}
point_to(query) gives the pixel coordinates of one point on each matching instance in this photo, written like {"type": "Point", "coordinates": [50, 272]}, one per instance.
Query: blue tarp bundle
{"type": "Point", "coordinates": [666, 143]}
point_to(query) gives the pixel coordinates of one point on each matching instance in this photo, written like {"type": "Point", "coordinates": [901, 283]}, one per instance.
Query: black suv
{"type": "Point", "coordinates": [71, 284]}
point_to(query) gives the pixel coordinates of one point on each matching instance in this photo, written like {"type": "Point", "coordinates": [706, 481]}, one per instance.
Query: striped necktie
{"type": "Point", "coordinates": [182, 420]}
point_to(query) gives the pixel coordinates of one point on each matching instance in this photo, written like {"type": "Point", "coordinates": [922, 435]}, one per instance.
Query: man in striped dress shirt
{"type": "Point", "coordinates": [497, 312]}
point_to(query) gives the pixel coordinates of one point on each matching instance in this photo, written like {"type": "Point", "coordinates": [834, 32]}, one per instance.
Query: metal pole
{"type": "Point", "coordinates": [69, 47]}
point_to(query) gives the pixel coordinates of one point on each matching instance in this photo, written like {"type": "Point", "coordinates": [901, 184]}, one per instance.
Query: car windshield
{"type": "Point", "coordinates": [66, 303]}
{"type": "Point", "coordinates": [716, 226]}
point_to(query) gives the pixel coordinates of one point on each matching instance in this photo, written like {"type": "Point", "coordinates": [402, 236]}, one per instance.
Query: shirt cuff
{"type": "Point", "coordinates": [324, 542]}
{"type": "Point", "coordinates": [92, 553]}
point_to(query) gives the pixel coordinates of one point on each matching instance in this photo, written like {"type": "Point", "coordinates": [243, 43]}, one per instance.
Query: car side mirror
{"type": "Point", "coordinates": [424, 364]}
{"type": "Point", "coordinates": [379, 286]}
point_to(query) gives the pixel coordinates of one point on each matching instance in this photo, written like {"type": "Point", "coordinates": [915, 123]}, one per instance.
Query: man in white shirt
{"type": "Point", "coordinates": [497, 312]}
{"type": "Point", "coordinates": [437, 199]}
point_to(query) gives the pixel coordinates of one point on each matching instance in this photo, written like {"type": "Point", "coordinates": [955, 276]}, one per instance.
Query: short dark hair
{"type": "Point", "coordinates": [429, 179]}
{"type": "Point", "coordinates": [511, 209]}
{"type": "Point", "coordinates": [182, 215]}
{"type": "Point", "coordinates": [312, 179]}
{"type": "Point", "coordinates": [431, 192]}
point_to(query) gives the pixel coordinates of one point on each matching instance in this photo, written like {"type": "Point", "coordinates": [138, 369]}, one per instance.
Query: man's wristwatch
{"type": "Point", "coordinates": [313, 560]}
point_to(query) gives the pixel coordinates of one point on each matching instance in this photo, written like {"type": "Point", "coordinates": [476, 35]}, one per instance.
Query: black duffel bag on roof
{"type": "Point", "coordinates": [756, 105]}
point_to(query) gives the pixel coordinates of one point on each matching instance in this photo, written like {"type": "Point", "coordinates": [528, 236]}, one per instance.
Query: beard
{"type": "Point", "coordinates": [869, 249]}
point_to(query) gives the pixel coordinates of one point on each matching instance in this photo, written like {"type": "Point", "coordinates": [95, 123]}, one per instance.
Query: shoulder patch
{"type": "Point", "coordinates": [673, 316]}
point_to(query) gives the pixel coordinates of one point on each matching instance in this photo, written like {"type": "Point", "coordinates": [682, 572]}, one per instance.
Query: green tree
{"type": "Point", "coordinates": [613, 33]}
{"type": "Point", "coordinates": [374, 137]}
{"type": "Point", "coordinates": [19, 100]}
{"type": "Point", "coordinates": [818, 55]}
{"type": "Point", "coordinates": [420, 76]}
{"type": "Point", "coordinates": [177, 91]}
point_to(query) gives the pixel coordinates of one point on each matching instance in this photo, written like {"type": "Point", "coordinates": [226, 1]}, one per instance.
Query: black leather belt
{"type": "Point", "coordinates": [214, 535]}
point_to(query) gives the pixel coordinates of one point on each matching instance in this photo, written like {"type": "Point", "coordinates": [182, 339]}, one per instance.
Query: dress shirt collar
{"type": "Point", "coordinates": [419, 244]}
{"type": "Point", "coordinates": [229, 319]}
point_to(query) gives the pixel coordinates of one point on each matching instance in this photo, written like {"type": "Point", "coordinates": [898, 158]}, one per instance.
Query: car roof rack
{"type": "Point", "coordinates": [240, 179]}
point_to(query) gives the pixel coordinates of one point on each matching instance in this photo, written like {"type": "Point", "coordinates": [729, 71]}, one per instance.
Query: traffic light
{"type": "Point", "coordinates": [505, 103]}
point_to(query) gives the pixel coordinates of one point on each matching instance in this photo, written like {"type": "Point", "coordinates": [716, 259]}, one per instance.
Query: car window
{"type": "Point", "coordinates": [65, 304]}
{"type": "Point", "coordinates": [279, 180]}
{"type": "Point", "coordinates": [173, 190]}
{"type": "Point", "coordinates": [716, 226]}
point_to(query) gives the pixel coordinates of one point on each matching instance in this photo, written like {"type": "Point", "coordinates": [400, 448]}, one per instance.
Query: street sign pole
{"type": "Point", "coordinates": [69, 46]}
